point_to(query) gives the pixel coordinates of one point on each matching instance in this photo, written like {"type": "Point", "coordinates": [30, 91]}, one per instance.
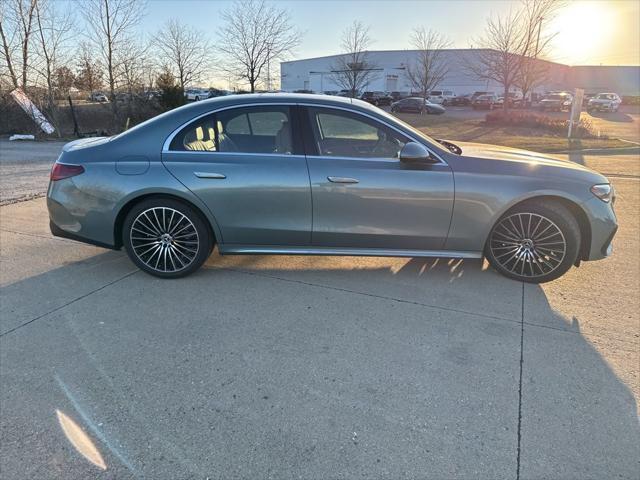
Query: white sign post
{"type": "Point", "coordinates": [576, 110]}
{"type": "Point", "coordinates": [30, 109]}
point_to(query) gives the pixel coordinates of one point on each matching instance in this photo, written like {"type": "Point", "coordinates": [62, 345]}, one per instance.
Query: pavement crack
{"type": "Point", "coordinates": [520, 389]}
{"type": "Point", "coordinates": [68, 303]}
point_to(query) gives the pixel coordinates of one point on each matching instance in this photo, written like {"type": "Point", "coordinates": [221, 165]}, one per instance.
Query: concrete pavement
{"type": "Point", "coordinates": [315, 367]}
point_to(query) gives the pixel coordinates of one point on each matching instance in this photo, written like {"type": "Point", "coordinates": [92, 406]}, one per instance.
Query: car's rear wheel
{"type": "Point", "coordinates": [166, 238]}
{"type": "Point", "coordinates": [535, 242]}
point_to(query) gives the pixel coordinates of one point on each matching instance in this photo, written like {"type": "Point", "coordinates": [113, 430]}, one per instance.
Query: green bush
{"type": "Point", "coordinates": [556, 126]}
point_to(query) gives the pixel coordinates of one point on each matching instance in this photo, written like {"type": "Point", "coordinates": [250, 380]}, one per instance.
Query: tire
{"type": "Point", "coordinates": [535, 242]}
{"type": "Point", "coordinates": [166, 238]}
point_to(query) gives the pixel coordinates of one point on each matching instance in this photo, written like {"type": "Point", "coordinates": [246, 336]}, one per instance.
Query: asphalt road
{"type": "Point", "coordinates": [316, 367]}
{"type": "Point", "coordinates": [24, 168]}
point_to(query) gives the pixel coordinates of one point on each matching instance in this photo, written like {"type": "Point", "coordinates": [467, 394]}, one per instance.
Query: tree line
{"type": "Point", "coordinates": [48, 47]}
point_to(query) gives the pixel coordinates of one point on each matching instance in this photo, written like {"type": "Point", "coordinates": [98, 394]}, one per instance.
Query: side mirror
{"type": "Point", "coordinates": [414, 152]}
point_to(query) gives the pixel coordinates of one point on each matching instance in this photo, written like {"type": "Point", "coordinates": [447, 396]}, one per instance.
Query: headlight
{"type": "Point", "coordinates": [567, 103]}
{"type": "Point", "coordinates": [603, 191]}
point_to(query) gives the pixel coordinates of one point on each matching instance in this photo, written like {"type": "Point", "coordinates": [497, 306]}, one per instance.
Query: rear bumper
{"type": "Point", "coordinates": [79, 216]}
{"type": "Point", "coordinates": [56, 231]}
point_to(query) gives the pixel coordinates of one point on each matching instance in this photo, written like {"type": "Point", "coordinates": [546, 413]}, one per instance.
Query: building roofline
{"type": "Point", "coordinates": [406, 50]}
{"type": "Point", "coordinates": [412, 50]}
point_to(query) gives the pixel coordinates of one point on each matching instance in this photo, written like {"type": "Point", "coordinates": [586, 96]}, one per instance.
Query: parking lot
{"type": "Point", "coordinates": [312, 367]}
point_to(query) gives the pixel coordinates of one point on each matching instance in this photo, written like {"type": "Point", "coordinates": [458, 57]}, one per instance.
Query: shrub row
{"type": "Point", "coordinates": [555, 126]}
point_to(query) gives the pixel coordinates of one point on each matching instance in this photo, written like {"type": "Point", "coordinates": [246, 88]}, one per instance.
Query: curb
{"type": "Point", "coordinates": [601, 151]}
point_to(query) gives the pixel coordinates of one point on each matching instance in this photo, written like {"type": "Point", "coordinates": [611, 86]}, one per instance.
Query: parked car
{"type": "Point", "coordinates": [475, 95]}
{"type": "Point", "coordinates": [98, 97]}
{"type": "Point", "coordinates": [461, 100]}
{"type": "Point", "coordinates": [395, 96]}
{"type": "Point", "coordinates": [604, 102]}
{"type": "Point", "coordinates": [124, 97]}
{"type": "Point", "coordinates": [196, 94]}
{"type": "Point", "coordinates": [152, 94]}
{"type": "Point", "coordinates": [586, 97]}
{"type": "Point", "coordinates": [417, 105]}
{"type": "Point", "coordinates": [482, 102]}
{"type": "Point", "coordinates": [441, 97]}
{"type": "Point", "coordinates": [556, 101]}
{"type": "Point", "coordinates": [200, 176]}
{"type": "Point", "coordinates": [376, 98]}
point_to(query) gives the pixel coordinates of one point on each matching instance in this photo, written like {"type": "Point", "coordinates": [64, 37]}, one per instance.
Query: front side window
{"type": "Point", "coordinates": [343, 134]}
{"type": "Point", "coordinates": [244, 130]}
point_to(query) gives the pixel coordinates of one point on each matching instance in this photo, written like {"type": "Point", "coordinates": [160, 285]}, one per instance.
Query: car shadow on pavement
{"type": "Point", "coordinates": [418, 356]}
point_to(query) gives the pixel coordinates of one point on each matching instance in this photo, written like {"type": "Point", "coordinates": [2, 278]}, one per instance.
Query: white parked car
{"type": "Point", "coordinates": [604, 102]}
{"type": "Point", "coordinates": [196, 94]}
{"type": "Point", "coordinates": [98, 97]}
{"type": "Point", "coordinates": [441, 97]}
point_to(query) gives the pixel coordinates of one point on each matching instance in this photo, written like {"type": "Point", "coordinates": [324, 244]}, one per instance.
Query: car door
{"type": "Point", "coordinates": [363, 196]}
{"type": "Point", "coordinates": [247, 165]}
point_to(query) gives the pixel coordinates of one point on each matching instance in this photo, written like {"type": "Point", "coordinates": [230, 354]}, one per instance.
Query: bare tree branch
{"type": "Point", "coordinates": [429, 69]}
{"type": "Point", "coordinates": [111, 24]}
{"type": "Point", "coordinates": [53, 31]}
{"type": "Point", "coordinates": [254, 35]}
{"type": "Point", "coordinates": [185, 51]}
{"type": "Point", "coordinates": [353, 70]}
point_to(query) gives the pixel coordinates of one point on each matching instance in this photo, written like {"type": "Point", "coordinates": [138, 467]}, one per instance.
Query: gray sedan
{"type": "Point", "coordinates": [318, 175]}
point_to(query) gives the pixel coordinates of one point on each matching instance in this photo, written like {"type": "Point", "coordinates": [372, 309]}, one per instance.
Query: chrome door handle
{"type": "Point", "coordinates": [342, 180]}
{"type": "Point", "coordinates": [218, 176]}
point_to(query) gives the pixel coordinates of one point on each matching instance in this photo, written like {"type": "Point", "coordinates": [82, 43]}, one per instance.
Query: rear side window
{"type": "Point", "coordinates": [199, 136]}
{"type": "Point", "coordinates": [243, 130]}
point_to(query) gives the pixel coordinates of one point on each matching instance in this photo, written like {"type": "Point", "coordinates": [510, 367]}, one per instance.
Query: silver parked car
{"type": "Point", "coordinates": [604, 102]}
{"type": "Point", "coordinates": [311, 174]}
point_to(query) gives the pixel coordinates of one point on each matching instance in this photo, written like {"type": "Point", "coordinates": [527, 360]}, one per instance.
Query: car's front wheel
{"type": "Point", "coordinates": [166, 238]}
{"type": "Point", "coordinates": [535, 242]}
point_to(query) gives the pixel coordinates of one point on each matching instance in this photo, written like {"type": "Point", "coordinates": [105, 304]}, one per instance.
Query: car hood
{"type": "Point", "coordinates": [84, 143]}
{"type": "Point", "coordinates": [482, 151]}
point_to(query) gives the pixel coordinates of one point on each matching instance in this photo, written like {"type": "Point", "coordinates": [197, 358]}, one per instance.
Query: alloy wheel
{"type": "Point", "coordinates": [164, 239]}
{"type": "Point", "coordinates": [528, 245]}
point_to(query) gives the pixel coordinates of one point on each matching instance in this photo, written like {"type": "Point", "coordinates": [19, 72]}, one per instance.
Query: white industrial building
{"type": "Point", "coordinates": [316, 74]}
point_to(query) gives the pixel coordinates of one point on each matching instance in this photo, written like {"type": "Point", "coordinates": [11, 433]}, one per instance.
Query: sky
{"type": "Point", "coordinates": [589, 32]}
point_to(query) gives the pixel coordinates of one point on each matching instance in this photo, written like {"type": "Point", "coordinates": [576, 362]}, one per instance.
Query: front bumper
{"type": "Point", "coordinates": [603, 225]}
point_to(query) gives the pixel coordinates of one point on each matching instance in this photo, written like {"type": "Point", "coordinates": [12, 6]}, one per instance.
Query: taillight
{"type": "Point", "coordinates": [65, 170]}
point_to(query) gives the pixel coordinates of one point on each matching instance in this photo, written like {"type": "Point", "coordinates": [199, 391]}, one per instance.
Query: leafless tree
{"type": "Point", "coordinates": [499, 60]}
{"type": "Point", "coordinates": [111, 24]}
{"type": "Point", "coordinates": [90, 74]}
{"type": "Point", "coordinates": [512, 44]}
{"type": "Point", "coordinates": [536, 15]}
{"type": "Point", "coordinates": [53, 32]}
{"type": "Point", "coordinates": [186, 51]}
{"type": "Point", "coordinates": [353, 70]}
{"type": "Point", "coordinates": [255, 34]}
{"type": "Point", "coordinates": [430, 68]}
{"type": "Point", "coordinates": [17, 18]}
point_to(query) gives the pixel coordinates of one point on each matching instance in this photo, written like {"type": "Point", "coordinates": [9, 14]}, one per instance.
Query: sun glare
{"type": "Point", "coordinates": [583, 30]}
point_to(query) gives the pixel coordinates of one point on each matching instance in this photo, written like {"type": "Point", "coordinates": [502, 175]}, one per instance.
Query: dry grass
{"type": "Point", "coordinates": [478, 131]}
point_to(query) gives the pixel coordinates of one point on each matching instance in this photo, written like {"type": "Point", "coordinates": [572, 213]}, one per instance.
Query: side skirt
{"type": "Point", "coordinates": [341, 251]}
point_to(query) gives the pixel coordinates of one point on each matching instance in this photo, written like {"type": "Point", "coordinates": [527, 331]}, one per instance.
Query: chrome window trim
{"type": "Point", "coordinates": [167, 142]}
{"type": "Point", "coordinates": [233, 154]}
